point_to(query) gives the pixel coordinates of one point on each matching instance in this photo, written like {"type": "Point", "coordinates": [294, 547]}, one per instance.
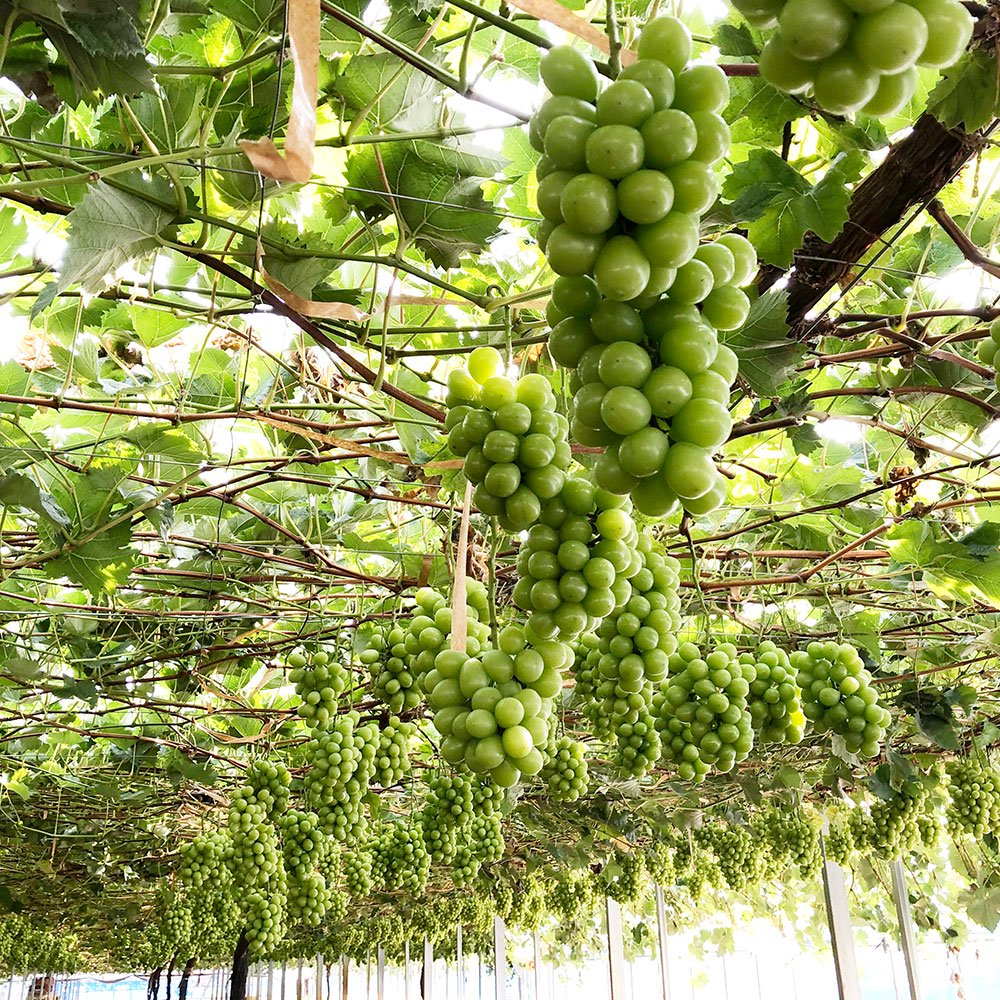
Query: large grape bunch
{"type": "Point", "coordinates": [319, 681]}
{"type": "Point", "coordinates": [393, 679]}
{"type": "Point", "coordinates": [341, 766]}
{"type": "Point", "coordinates": [269, 783]}
{"type": "Point", "coordinates": [989, 349]}
{"type": "Point", "coordinates": [305, 848]}
{"type": "Point", "coordinates": [775, 701]}
{"type": "Point", "coordinates": [513, 442]}
{"type": "Point", "coordinates": [894, 827]}
{"type": "Point", "coordinates": [741, 856]}
{"type": "Point", "coordinates": [837, 695]}
{"type": "Point", "coordinates": [857, 55]}
{"type": "Point", "coordinates": [630, 656]}
{"type": "Point", "coordinates": [400, 859]}
{"type": "Point", "coordinates": [493, 710]}
{"type": "Point", "coordinates": [701, 712]}
{"type": "Point", "coordinates": [573, 565]}
{"type": "Point", "coordinates": [973, 798]}
{"type": "Point", "coordinates": [447, 810]}
{"type": "Point", "coordinates": [204, 860]}
{"type": "Point", "coordinates": [392, 761]}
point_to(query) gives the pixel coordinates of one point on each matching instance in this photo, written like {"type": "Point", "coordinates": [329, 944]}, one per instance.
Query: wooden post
{"type": "Point", "coordinates": [838, 917]}
{"type": "Point", "coordinates": [499, 958]}
{"type": "Point", "coordinates": [616, 951]}
{"type": "Point", "coordinates": [907, 938]}
{"type": "Point", "coordinates": [661, 929]}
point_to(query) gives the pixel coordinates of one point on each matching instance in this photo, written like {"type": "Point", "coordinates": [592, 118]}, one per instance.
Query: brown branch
{"type": "Point", "coordinates": [970, 251]}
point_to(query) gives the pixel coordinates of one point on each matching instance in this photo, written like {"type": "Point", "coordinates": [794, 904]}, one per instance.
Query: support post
{"type": "Point", "coordinates": [345, 976]}
{"type": "Point", "coordinates": [661, 929]}
{"type": "Point", "coordinates": [616, 950]}
{"type": "Point", "coordinates": [536, 943]}
{"type": "Point", "coordinates": [459, 961]}
{"type": "Point", "coordinates": [499, 959]}
{"type": "Point", "coordinates": [319, 977]}
{"type": "Point", "coordinates": [841, 939]}
{"type": "Point", "coordinates": [406, 970]}
{"type": "Point", "coordinates": [380, 985]}
{"type": "Point", "coordinates": [427, 973]}
{"type": "Point", "coordinates": [907, 938]}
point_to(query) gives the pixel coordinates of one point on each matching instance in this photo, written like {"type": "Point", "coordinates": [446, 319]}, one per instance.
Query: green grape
{"type": "Point", "coordinates": [448, 809]}
{"type": "Point", "coordinates": [774, 701]}
{"type": "Point", "coordinates": [837, 696]}
{"type": "Point", "coordinates": [565, 772]}
{"type": "Point", "coordinates": [400, 858]}
{"type": "Point", "coordinates": [392, 759]}
{"type": "Point", "coordinates": [839, 841]}
{"type": "Point", "coordinates": [895, 831]}
{"type": "Point", "coordinates": [393, 680]}
{"type": "Point", "coordinates": [319, 681]}
{"type": "Point", "coordinates": [269, 782]}
{"type": "Point", "coordinates": [701, 712]}
{"type": "Point", "coordinates": [739, 855]}
{"type": "Point", "coordinates": [357, 871]}
{"type": "Point", "coordinates": [623, 877]}
{"type": "Point", "coordinates": [973, 798]}
{"type": "Point", "coordinates": [566, 580]}
{"type": "Point", "coordinates": [513, 442]}
{"type": "Point", "coordinates": [571, 896]}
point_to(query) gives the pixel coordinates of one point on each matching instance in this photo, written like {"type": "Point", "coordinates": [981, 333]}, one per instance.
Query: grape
{"type": "Point", "coordinates": [701, 712]}
{"type": "Point", "coordinates": [568, 72]}
{"type": "Point", "coordinates": [571, 562]}
{"type": "Point", "coordinates": [319, 680]}
{"type": "Point", "coordinates": [792, 839]}
{"type": "Point", "coordinates": [400, 859]}
{"type": "Point", "coordinates": [894, 829]}
{"type": "Point", "coordinates": [392, 679]}
{"type": "Point", "coordinates": [738, 853]}
{"type": "Point", "coordinates": [837, 695]}
{"type": "Point", "coordinates": [357, 869]}
{"type": "Point", "coordinates": [973, 798]}
{"type": "Point", "coordinates": [565, 772]}
{"type": "Point", "coordinates": [774, 701]}
{"type": "Point", "coordinates": [447, 810]}
{"type": "Point", "coordinates": [392, 760]}
{"type": "Point", "coordinates": [571, 896]}
{"type": "Point", "coordinates": [622, 878]}
{"type": "Point", "coordinates": [856, 55]}
{"type": "Point", "coordinates": [513, 442]}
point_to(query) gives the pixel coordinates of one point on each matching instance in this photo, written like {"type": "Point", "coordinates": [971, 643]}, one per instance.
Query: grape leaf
{"type": "Point", "coordinates": [767, 357]}
{"type": "Point", "coordinates": [435, 193]}
{"type": "Point", "coordinates": [781, 206]}
{"type": "Point", "coordinates": [109, 228]}
{"type": "Point", "coordinates": [968, 94]}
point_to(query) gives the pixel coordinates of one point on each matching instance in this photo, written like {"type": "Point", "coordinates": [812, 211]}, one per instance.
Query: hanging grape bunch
{"type": "Point", "coordinates": [974, 798]}
{"type": "Point", "coordinates": [837, 695]}
{"type": "Point", "coordinates": [775, 700]}
{"type": "Point", "coordinates": [702, 712]}
{"type": "Point", "coordinates": [565, 771]}
{"type": "Point", "coordinates": [388, 661]}
{"type": "Point", "coordinates": [392, 761]}
{"type": "Point", "coordinates": [513, 443]}
{"type": "Point", "coordinates": [573, 565]}
{"type": "Point", "coordinates": [319, 681]}
{"type": "Point", "coordinates": [857, 55]}
{"type": "Point", "coordinates": [989, 349]}
{"type": "Point", "coordinates": [623, 183]}
{"type": "Point", "coordinates": [493, 710]}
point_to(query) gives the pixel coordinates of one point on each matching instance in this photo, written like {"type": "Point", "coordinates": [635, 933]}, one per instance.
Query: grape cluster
{"type": "Point", "coordinates": [571, 895]}
{"type": "Point", "coordinates": [493, 710]}
{"type": "Point", "coordinates": [513, 443]}
{"type": "Point", "coordinates": [303, 841]}
{"type": "Point", "coordinates": [565, 771]}
{"type": "Point", "coordinates": [448, 809]}
{"type": "Point", "coordinates": [485, 838]}
{"type": "Point", "coordinates": [392, 679]}
{"type": "Point", "coordinates": [318, 683]}
{"type": "Point", "coordinates": [176, 921]}
{"type": "Point", "coordinates": [429, 631]}
{"type": "Point", "coordinates": [792, 839]}
{"type": "Point", "coordinates": [627, 172]}
{"type": "Point", "coordinates": [839, 843]}
{"type": "Point", "coordinates": [738, 853]}
{"type": "Point", "coordinates": [623, 876]}
{"type": "Point", "coordinates": [265, 916]}
{"type": "Point", "coordinates": [774, 701]}
{"type": "Point", "coordinates": [341, 765]}
{"type": "Point", "coordinates": [837, 695]}
{"type": "Point", "coordinates": [392, 760]}
{"type": "Point", "coordinates": [701, 712]}
{"type": "Point", "coordinates": [621, 670]}
{"type": "Point", "coordinates": [857, 55]}
{"type": "Point", "coordinates": [356, 866]}
{"type": "Point", "coordinates": [989, 349]}
{"type": "Point", "coordinates": [204, 860]}
{"type": "Point", "coordinates": [894, 829]}
{"type": "Point", "coordinates": [269, 783]}
{"type": "Point", "coordinates": [256, 850]}
{"type": "Point", "coordinates": [572, 565]}
{"type": "Point", "coordinates": [400, 858]}
{"type": "Point", "coordinates": [974, 798]}
{"type": "Point", "coordinates": [308, 898]}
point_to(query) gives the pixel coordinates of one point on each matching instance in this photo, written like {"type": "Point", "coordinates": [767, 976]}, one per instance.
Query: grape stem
{"type": "Point", "coordinates": [614, 40]}
{"type": "Point", "coordinates": [970, 251]}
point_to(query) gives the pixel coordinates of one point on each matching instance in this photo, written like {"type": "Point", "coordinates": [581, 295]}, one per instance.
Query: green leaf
{"type": "Point", "coordinates": [436, 196]}
{"type": "Point", "coordinates": [154, 326]}
{"type": "Point", "coordinates": [101, 565]}
{"type": "Point", "coordinates": [109, 228]}
{"type": "Point", "coordinates": [20, 491]}
{"type": "Point", "coordinates": [14, 381]}
{"type": "Point", "coordinates": [968, 94]}
{"type": "Point", "coordinates": [781, 206]}
{"type": "Point", "coordinates": [767, 356]}
{"type": "Point", "coordinates": [254, 15]}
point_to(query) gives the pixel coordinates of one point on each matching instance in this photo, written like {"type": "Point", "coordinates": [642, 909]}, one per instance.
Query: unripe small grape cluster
{"type": "Point", "coordinates": [392, 679]}
{"type": "Point", "coordinates": [837, 695]}
{"type": "Point", "coordinates": [989, 349]}
{"type": "Point", "coordinates": [319, 681]}
{"type": "Point", "coordinates": [702, 712]}
{"type": "Point", "coordinates": [895, 831]}
{"type": "Point", "coordinates": [571, 895]}
{"type": "Point", "coordinates": [448, 809]}
{"type": "Point", "coordinates": [356, 868]}
{"type": "Point", "coordinates": [270, 782]}
{"type": "Point", "coordinates": [204, 859]}
{"type": "Point", "coordinates": [973, 798]}
{"type": "Point", "coordinates": [775, 700]}
{"type": "Point", "coordinates": [565, 771]}
{"type": "Point", "coordinates": [573, 565]}
{"type": "Point", "coordinates": [493, 710]}
{"type": "Point", "coordinates": [513, 442]}
{"type": "Point", "coordinates": [264, 913]}
{"type": "Point", "coordinates": [392, 761]}
{"type": "Point", "coordinates": [739, 856]}
{"type": "Point", "coordinates": [857, 55]}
